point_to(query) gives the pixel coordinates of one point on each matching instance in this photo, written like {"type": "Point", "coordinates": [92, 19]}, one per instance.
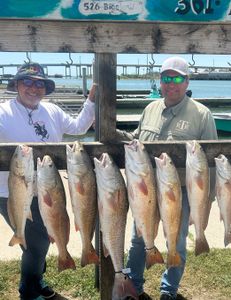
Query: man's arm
{"type": "Point", "coordinates": [209, 131]}
{"type": "Point", "coordinates": [122, 135]}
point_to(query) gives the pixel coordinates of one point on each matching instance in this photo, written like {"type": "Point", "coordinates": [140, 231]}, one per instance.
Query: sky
{"type": "Point", "coordinates": [20, 57]}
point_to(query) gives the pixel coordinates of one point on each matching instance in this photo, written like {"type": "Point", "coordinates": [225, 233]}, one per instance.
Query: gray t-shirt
{"type": "Point", "coordinates": [188, 120]}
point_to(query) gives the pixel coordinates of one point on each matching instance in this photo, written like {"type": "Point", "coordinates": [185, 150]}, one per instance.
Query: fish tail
{"type": "Point", "coordinates": [227, 239]}
{"type": "Point", "coordinates": [89, 257]}
{"type": "Point", "coordinates": [17, 240]}
{"type": "Point", "coordinates": [123, 287]}
{"type": "Point", "coordinates": [153, 256]}
{"type": "Point", "coordinates": [66, 263]}
{"type": "Point", "coordinates": [173, 260]}
{"type": "Point", "coordinates": [201, 246]}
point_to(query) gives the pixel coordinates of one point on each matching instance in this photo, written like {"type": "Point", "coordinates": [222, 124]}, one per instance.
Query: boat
{"type": "Point", "coordinates": [155, 92]}
{"type": "Point", "coordinates": [223, 121]}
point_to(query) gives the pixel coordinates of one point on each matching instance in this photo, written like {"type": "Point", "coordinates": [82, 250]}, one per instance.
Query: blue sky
{"type": "Point", "coordinates": [20, 57]}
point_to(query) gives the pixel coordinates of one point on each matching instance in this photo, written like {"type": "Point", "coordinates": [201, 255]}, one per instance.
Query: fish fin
{"type": "Point", "coordinates": [221, 218]}
{"type": "Point", "coordinates": [227, 239]}
{"type": "Point", "coordinates": [52, 240]}
{"type": "Point", "coordinates": [100, 208]}
{"type": "Point", "coordinates": [201, 246]}
{"type": "Point", "coordinates": [189, 186]}
{"type": "Point", "coordinates": [76, 227]}
{"type": "Point", "coordinates": [156, 223]}
{"type": "Point", "coordinates": [206, 217]}
{"type": "Point", "coordinates": [218, 191]}
{"type": "Point", "coordinates": [170, 194]}
{"type": "Point", "coordinates": [16, 240]}
{"type": "Point", "coordinates": [30, 216]}
{"type": "Point", "coordinates": [164, 231]}
{"type": "Point", "coordinates": [47, 199]}
{"type": "Point", "coordinates": [228, 185]}
{"type": "Point", "coordinates": [143, 187]}
{"type": "Point", "coordinates": [66, 263]}
{"type": "Point", "coordinates": [130, 193]}
{"type": "Point", "coordinates": [138, 232]}
{"type": "Point", "coordinates": [153, 256]}
{"type": "Point", "coordinates": [89, 257]}
{"type": "Point", "coordinates": [190, 220]}
{"type": "Point", "coordinates": [12, 223]}
{"type": "Point", "coordinates": [80, 188]}
{"type": "Point", "coordinates": [173, 260]}
{"type": "Point", "coordinates": [105, 251]}
{"type": "Point", "coordinates": [123, 287]}
{"type": "Point", "coordinates": [200, 182]}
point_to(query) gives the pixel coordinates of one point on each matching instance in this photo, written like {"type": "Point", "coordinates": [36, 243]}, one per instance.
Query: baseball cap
{"type": "Point", "coordinates": [31, 70]}
{"type": "Point", "coordinates": [177, 64]}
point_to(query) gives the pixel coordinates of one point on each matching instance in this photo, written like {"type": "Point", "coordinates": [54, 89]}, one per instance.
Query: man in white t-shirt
{"type": "Point", "coordinates": [27, 119]}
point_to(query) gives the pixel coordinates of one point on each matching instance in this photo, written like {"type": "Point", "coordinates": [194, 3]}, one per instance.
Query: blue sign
{"type": "Point", "coordinates": [121, 10]}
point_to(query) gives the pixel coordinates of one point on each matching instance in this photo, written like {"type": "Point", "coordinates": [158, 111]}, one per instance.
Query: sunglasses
{"type": "Point", "coordinates": [175, 79]}
{"type": "Point", "coordinates": [37, 83]}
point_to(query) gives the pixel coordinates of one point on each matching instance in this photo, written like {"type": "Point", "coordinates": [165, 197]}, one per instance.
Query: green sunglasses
{"type": "Point", "coordinates": [175, 79]}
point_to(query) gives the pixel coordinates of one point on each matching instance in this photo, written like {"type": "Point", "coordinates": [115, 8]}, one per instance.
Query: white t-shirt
{"type": "Point", "coordinates": [48, 123]}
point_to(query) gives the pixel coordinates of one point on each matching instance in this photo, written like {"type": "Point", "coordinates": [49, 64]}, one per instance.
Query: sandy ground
{"type": "Point", "coordinates": [214, 234]}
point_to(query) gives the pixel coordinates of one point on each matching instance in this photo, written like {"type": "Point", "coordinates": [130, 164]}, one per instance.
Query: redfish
{"type": "Point", "coordinates": [170, 204]}
{"type": "Point", "coordinates": [198, 188]}
{"type": "Point", "coordinates": [82, 186]}
{"type": "Point", "coordinates": [142, 197]}
{"type": "Point", "coordinates": [52, 206]}
{"type": "Point", "coordinates": [20, 182]}
{"type": "Point", "coordinates": [113, 207]}
{"type": "Point", "coordinates": [223, 193]}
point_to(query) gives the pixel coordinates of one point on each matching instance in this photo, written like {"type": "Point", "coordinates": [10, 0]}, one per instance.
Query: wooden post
{"type": "Point", "coordinates": [84, 83]}
{"type": "Point", "coordinates": [105, 74]}
{"type": "Point", "coordinates": [105, 68]}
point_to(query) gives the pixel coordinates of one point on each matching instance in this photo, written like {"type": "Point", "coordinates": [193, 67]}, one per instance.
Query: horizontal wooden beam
{"type": "Point", "coordinates": [176, 149]}
{"type": "Point", "coordinates": [114, 37]}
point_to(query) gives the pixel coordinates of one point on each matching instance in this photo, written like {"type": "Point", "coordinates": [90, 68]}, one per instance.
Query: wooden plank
{"type": "Point", "coordinates": [176, 149]}
{"type": "Point", "coordinates": [115, 37]}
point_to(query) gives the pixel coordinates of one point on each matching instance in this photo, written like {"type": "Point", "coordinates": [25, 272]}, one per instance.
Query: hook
{"type": "Point", "coordinates": [229, 63]}
{"type": "Point", "coordinates": [28, 58]}
{"type": "Point", "coordinates": [193, 63]}
{"type": "Point", "coordinates": [71, 60]}
{"type": "Point", "coordinates": [153, 60]}
{"type": "Point", "coordinates": [151, 63]}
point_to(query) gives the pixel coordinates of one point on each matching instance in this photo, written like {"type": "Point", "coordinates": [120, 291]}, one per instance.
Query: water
{"type": "Point", "coordinates": [200, 88]}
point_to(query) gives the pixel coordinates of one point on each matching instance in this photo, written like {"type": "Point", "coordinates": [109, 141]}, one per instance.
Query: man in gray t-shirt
{"type": "Point", "coordinates": [175, 117]}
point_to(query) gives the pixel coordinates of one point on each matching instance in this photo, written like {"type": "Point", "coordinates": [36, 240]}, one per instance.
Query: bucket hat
{"type": "Point", "coordinates": [31, 70]}
{"type": "Point", "coordinates": [177, 64]}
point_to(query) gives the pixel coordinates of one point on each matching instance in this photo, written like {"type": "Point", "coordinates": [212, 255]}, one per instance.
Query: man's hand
{"type": "Point", "coordinates": [92, 92]}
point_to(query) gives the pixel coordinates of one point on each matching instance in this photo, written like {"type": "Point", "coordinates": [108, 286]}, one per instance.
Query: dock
{"type": "Point", "coordinates": [136, 105]}
{"type": "Point", "coordinates": [127, 121]}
